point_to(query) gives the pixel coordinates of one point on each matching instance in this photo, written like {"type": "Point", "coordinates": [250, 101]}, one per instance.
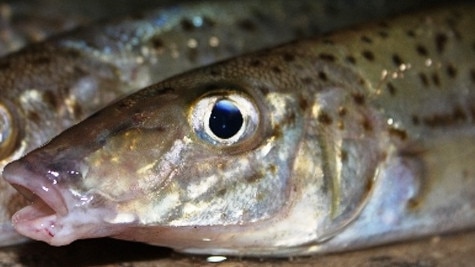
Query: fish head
{"type": "Point", "coordinates": [221, 157]}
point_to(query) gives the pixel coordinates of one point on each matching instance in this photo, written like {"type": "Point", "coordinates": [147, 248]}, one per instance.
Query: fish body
{"type": "Point", "coordinates": [338, 142]}
{"type": "Point", "coordinates": [52, 85]}
{"type": "Point", "coordinates": [24, 22]}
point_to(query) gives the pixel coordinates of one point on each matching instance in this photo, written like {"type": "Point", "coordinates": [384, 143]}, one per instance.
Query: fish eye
{"type": "Point", "coordinates": [224, 118]}
{"type": "Point", "coordinates": [8, 134]}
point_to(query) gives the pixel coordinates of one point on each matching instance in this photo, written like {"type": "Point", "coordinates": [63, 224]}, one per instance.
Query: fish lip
{"type": "Point", "coordinates": [35, 188]}
{"type": "Point", "coordinates": [54, 215]}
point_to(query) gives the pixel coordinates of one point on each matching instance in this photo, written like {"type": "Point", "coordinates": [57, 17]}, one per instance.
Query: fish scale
{"type": "Point", "coordinates": [344, 144]}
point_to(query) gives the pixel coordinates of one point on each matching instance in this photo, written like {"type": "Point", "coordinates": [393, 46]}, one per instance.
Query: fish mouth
{"type": "Point", "coordinates": [39, 220]}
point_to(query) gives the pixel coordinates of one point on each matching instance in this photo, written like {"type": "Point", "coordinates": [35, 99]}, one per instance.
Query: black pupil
{"type": "Point", "coordinates": [225, 120]}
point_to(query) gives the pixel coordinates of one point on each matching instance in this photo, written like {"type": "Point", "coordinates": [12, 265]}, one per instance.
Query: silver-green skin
{"type": "Point", "coordinates": [350, 140]}
{"type": "Point", "coordinates": [50, 86]}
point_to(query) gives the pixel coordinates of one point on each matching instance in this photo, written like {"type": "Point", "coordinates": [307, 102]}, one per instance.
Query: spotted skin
{"type": "Point", "coordinates": [50, 86]}
{"type": "Point", "coordinates": [344, 146]}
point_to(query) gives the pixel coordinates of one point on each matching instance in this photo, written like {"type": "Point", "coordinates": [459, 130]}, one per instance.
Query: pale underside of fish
{"type": "Point", "coordinates": [350, 140]}
{"type": "Point", "coordinates": [50, 86]}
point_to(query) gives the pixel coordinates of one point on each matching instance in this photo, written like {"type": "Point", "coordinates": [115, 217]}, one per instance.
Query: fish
{"type": "Point", "coordinates": [24, 22]}
{"type": "Point", "coordinates": [353, 139]}
{"type": "Point", "coordinates": [50, 86]}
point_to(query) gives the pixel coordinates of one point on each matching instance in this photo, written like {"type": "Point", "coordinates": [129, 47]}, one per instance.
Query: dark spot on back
{"type": "Point", "coordinates": [272, 168]}
{"type": "Point", "coordinates": [451, 71]}
{"type": "Point", "coordinates": [359, 98]}
{"type": "Point", "coordinates": [421, 50]}
{"type": "Point", "coordinates": [424, 79]}
{"type": "Point", "coordinates": [324, 118]}
{"type": "Point", "coordinates": [288, 120]}
{"type": "Point", "coordinates": [383, 24]}
{"type": "Point", "coordinates": [383, 34]}
{"type": "Point", "coordinates": [361, 81]}
{"type": "Point", "coordinates": [327, 57]}
{"type": "Point", "coordinates": [343, 155]}
{"type": "Point", "coordinates": [41, 60]}
{"type": "Point", "coordinates": [366, 123]}
{"type": "Point", "coordinates": [277, 131]}
{"type": "Point", "coordinates": [157, 43]}
{"type": "Point", "coordinates": [322, 76]}
{"type": "Point", "coordinates": [276, 69]}
{"type": "Point", "coordinates": [50, 99]}
{"type": "Point", "coordinates": [328, 41]}
{"type": "Point", "coordinates": [303, 103]}
{"type": "Point", "coordinates": [391, 88]}
{"type": "Point", "coordinates": [288, 57]}
{"type": "Point", "coordinates": [247, 25]}
{"type": "Point", "coordinates": [33, 116]}
{"type": "Point", "coordinates": [341, 125]}
{"type": "Point", "coordinates": [187, 25]}
{"type": "Point", "coordinates": [413, 203]}
{"type": "Point", "coordinates": [366, 39]}
{"type": "Point", "coordinates": [77, 110]}
{"type": "Point", "coordinates": [214, 72]}
{"type": "Point", "coordinates": [255, 63]}
{"type": "Point", "coordinates": [415, 120]}
{"type": "Point", "coordinates": [368, 55]}
{"type": "Point", "coordinates": [342, 111]}
{"type": "Point", "coordinates": [5, 65]}
{"type": "Point", "coordinates": [220, 193]}
{"type": "Point", "coordinates": [436, 79]}
{"type": "Point", "coordinates": [350, 59]}
{"type": "Point", "coordinates": [401, 134]}
{"type": "Point", "coordinates": [411, 33]}
{"type": "Point", "coordinates": [445, 119]}
{"type": "Point", "coordinates": [255, 177]}
{"type": "Point", "coordinates": [265, 90]}
{"type": "Point", "coordinates": [440, 42]}
{"type": "Point", "coordinates": [396, 60]}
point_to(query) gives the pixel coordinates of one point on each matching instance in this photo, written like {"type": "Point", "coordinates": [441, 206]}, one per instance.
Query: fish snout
{"type": "Point", "coordinates": [34, 185]}
{"type": "Point", "coordinates": [46, 170]}
{"type": "Point", "coordinates": [55, 214]}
